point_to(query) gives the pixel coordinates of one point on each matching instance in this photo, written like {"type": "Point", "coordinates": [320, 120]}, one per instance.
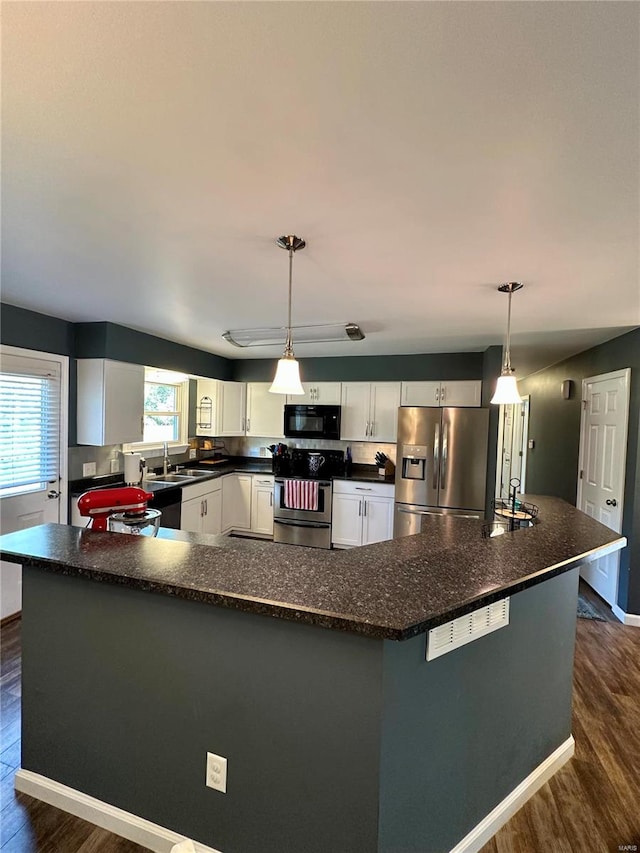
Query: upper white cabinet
{"type": "Point", "coordinates": [370, 411]}
{"type": "Point", "coordinates": [233, 405]}
{"type": "Point", "coordinates": [318, 393]}
{"type": "Point", "coordinates": [265, 411]}
{"type": "Point", "coordinates": [110, 402]}
{"type": "Point", "coordinates": [220, 407]}
{"type": "Point", "coordinates": [455, 393]}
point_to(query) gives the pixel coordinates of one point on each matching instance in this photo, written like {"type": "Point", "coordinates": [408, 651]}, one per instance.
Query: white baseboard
{"type": "Point", "coordinates": [488, 826]}
{"type": "Point", "coordinates": [130, 826]}
{"type": "Point", "coordinates": [161, 840]}
{"type": "Point", "coordinates": [626, 618]}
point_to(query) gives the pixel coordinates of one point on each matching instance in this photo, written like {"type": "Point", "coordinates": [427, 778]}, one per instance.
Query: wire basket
{"type": "Point", "coordinates": [513, 511]}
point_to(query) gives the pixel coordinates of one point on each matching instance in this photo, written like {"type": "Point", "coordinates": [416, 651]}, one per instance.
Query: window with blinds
{"type": "Point", "coordinates": [29, 425]}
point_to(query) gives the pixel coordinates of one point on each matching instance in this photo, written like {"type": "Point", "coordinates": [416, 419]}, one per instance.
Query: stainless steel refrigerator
{"type": "Point", "coordinates": [441, 464]}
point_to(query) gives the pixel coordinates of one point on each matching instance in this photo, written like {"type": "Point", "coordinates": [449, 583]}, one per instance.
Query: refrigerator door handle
{"type": "Point", "coordinates": [445, 455]}
{"type": "Point", "coordinates": [436, 456]}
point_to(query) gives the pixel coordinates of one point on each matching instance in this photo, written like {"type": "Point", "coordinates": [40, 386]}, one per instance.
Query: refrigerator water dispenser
{"type": "Point", "coordinates": [414, 462]}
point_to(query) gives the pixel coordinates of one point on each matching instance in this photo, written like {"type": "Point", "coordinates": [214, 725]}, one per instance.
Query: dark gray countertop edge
{"type": "Point", "coordinates": [309, 615]}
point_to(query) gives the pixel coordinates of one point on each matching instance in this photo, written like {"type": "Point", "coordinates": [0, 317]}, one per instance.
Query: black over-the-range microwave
{"type": "Point", "coordinates": [312, 422]}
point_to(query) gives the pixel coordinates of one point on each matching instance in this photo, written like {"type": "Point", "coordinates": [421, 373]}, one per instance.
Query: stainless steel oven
{"type": "Point", "coordinates": [302, 526]}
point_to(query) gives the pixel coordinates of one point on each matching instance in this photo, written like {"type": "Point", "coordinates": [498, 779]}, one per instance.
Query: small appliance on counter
{"type": "Point", "coordinates": [134, 468]}
{"type": "Point", "coordinates": [121, 510]}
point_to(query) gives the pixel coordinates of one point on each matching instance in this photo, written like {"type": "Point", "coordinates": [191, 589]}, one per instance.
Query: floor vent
{"type": "Point", "coordinates": [445, 638]}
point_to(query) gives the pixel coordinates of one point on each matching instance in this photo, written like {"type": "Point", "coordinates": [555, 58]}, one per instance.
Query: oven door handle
{"type": "Point", "coordinates": [324, 483]}
{"type": "Point", "coordinates": [301, 523]}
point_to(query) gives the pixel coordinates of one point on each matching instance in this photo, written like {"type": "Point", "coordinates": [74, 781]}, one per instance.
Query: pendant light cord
{"type": "Point", "coordinates": [289, 344]}
{"type": "Point", "coordinates": [507, 355]}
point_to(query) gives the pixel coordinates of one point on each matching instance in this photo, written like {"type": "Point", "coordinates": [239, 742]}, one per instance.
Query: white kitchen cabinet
{"type": "Point", "coordinates": [441, 393]}
{"type": "Point", "coordinates": [318, 394]}
{"type": "Point", "coordinates": [370, 411]}
{"type": "Point", "coordinates": [233, 405]}
{"type": "Point", "coordinates": [265, 411]}
{"type": "Point", "coordinates": [220, 408]}
{"type": "Point", "coordinates": [262, 505]}
{"type": "Point", "coordinates": [110, 407]}
{"type": "Point", "coordinates": [201, 508]}
{"type": "Point", "coordinates": [362, 513]}
{"type": "Point", "coordinates": [207, 406]}
{"type": "Point", "coordinates": [236, 502]}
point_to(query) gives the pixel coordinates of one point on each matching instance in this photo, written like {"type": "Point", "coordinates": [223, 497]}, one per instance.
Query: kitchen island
{"type": "Point", "coordinates": [306, 670]}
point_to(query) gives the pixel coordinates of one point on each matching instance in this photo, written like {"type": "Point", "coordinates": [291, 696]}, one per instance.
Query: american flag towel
{"type": "Point", "coordinates": [301, 494]}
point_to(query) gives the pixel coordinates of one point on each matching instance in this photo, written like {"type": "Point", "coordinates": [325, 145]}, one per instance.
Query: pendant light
{"type": "Point", "coordinates": [287, 378]}
{"type": "Point", "coordinates": [507, 387]}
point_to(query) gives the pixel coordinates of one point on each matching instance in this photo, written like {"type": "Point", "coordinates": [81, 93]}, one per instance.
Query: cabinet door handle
{"type": "Point", "coordinates": [201, 508]}
{"type": "Point", "coordinates": [442, 394]}
{"type": "Point", "coordinates": [359, 508]}
{"type": "Point", "coordinates": [206, 507]}
{"type": "Point", "coordinates": [372, 428]}
{"type": "Point", "coordinates": [365, 508]}
{"type": "Point", "coordinates": [248, 424]}
{"type": "Point", "coordinates": [363, 489]}
{"type": "Point", "coordinates": [437, 392]}
{"type": "Point", "coordinates": [271, 499]}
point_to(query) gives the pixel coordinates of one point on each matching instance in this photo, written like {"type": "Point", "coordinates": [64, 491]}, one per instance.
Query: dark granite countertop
{"type": "Point", "coordinates": [392, 590]}
{"type": "Point", "coordinates": [360, 473]}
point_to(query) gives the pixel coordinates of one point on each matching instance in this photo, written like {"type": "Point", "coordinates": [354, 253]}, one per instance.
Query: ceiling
{"type": "Point", "coordinates": [152, 152]}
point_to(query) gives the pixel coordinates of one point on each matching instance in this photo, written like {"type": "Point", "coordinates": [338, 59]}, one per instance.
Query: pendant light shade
{"type": "Point", "coordinates": [506, 391]}
{"type": "Point", "coordinates": [507, 388]}
{"type": "Point", "coordinates": [287, 378]}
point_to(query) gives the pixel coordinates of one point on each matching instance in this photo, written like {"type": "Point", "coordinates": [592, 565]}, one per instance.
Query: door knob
{"type": "Point", "coordinates": [53, 495]}
{"type": "Point", "coordinates": [612, 502]}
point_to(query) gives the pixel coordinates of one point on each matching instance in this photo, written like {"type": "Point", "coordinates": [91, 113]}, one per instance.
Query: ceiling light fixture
{"type": "Point", "coordinates": [287, 378]}
{"type": "Point", "coordinates": [507, 387]}
{"type": "Point", "coordinates": [320, 334]}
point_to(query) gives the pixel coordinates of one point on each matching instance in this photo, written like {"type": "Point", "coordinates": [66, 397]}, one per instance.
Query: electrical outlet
{"type": "Point", "coordinates": [88, 469]}
{"type": "Point", "coordinates": [264, 451]}
{"type": "Point", "coordinates": [216, 772]}
{"type": "Point", "coordinates": [193, 453]}
{"type": "Point", "coordinates": [114, 466]}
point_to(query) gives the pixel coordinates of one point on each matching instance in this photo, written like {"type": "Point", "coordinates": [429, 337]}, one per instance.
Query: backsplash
{"type": "Point", "coordinates": [363, 452]}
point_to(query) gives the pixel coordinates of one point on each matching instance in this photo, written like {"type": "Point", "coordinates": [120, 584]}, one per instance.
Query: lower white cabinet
{"type": "Point", "coordinates": [201, 509]}
{"type": "Point", "coordinates": [362, 513]}
{"type": "Point", "coordinates": [236, 502]}
{"type": "Point", "coordinates": [262, 505]}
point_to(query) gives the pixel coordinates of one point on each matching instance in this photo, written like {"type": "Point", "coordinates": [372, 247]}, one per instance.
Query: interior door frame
{"type": "Point", "coordinates": [624, 373]}
{"type": "Point", "coordinates": [63, 361]}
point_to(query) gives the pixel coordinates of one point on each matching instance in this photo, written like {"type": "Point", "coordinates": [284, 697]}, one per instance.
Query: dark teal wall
{"type": "Point", "coordinates": [554, 425]}
{"type": "Point", "coordinates": [108, 340]}
{"type": "Point", "coordinates": [368, 368]}
{"type": "Point", "coordinates": [22, 328]}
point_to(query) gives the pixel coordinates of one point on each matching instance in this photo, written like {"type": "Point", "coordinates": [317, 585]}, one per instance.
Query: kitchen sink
{"type": "Point", "coordinates": [193, 472]}
{"type": "Point", "coordinates": [172, 478]}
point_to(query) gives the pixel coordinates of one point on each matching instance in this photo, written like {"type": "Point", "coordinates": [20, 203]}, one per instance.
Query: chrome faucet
{"type": "Point", "coordinates": [166, 462]}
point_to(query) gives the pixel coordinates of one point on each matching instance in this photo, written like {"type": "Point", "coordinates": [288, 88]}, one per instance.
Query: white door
{"type": "Point", "coordinates": [262, 509]}
{"type": "Point", "coordinates": [33, 439]}
{"type": "Point", "coordinates": [603, 454]}
{"type": "Point", "coordinates": [212, 518]}
{"type": "Point", "coordinates": [232, 415]}
{"type": "Point", "coordinates": [191, 513]}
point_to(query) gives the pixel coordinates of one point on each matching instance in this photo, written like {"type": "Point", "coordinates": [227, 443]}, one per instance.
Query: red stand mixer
{"type": "Point", "coordinates": [122, 510]}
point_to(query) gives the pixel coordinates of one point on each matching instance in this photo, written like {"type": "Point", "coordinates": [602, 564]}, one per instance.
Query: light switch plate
{"type": "Point", "coordinates": [88, 469]}
{"type": "Point", "coordinates": [193, 453]}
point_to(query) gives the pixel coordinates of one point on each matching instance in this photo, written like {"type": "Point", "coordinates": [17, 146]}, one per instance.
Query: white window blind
{"type": "Point", "coordinates": [29, 424]}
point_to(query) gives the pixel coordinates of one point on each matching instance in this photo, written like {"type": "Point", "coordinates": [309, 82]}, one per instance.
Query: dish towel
{"type": "Point", "coordinates": [301, 494]}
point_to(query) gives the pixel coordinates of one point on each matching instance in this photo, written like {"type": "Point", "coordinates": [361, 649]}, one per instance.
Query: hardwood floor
{"type": "Point", "coordinates": [28, 825]}
{"type": "Point", "coordinates": [600, 605]}
{"type": "Point", "coordinates": [592, 805]}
